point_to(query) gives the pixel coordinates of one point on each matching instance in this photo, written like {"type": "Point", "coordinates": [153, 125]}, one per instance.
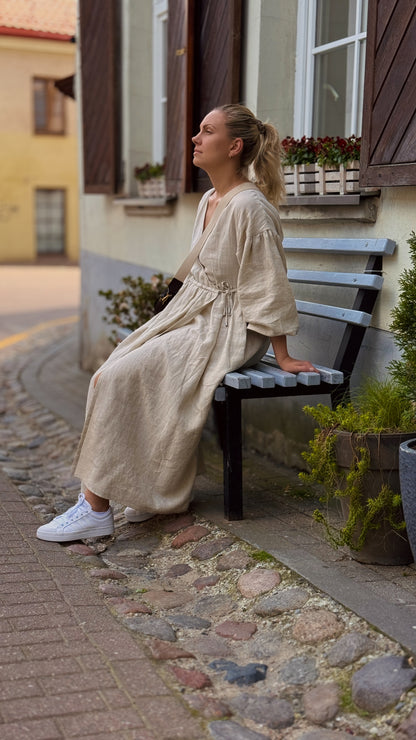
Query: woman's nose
{"type": "Point", "coordinates": [194, 138]}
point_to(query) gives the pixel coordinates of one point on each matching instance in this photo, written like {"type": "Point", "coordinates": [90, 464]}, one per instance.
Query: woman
{"type": "Point", "coordinates": [148, 403]}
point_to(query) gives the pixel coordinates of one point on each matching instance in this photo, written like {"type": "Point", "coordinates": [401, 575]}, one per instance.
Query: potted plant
{"type": "Point", "coordinates": [404, 372]}
{"type": "Point", "coordinates": [321, 166]}
{"type": "Point", "coordinates": [354, 456]}
{"type": "Point", "coordinates": [150, 180]}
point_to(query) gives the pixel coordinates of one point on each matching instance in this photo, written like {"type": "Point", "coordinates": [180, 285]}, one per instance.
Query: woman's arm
{"type": "Point", "coordinates": [286, 362]}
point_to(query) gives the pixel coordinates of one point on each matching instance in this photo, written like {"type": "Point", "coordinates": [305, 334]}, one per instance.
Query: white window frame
{"type": "Point", "coordinates": [160, 17]}
{"type": "Point", "coordinates": [306, 52]}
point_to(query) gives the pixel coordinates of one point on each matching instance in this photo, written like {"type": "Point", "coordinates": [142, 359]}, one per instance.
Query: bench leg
{"type": "Point", "coordinates": [233, 477]}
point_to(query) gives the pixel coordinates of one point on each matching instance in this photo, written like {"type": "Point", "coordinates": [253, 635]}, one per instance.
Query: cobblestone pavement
{"type": "Point", "coordinates": [174, 628]}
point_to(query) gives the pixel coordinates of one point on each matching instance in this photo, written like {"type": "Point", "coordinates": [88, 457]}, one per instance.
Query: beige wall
{"type": "Point", "coordinates": [30, 161]}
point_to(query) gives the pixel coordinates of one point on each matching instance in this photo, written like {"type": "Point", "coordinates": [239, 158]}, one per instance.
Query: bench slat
{"type": "Point", "coordinates": [308, 378]}
{"type": "Point", "coordinates": [237, 380]}
{"type": "Point", "coordinates": [339, 246]}
{"type": "Point", "coordinates": [329, 375]}
{"type": "Point", "coordinates": [345, 279]}
{"type": "Point", "coordinates": [349, 315]}
{"type": "Point", "coordinates": [259, 378]}
{"type": "Point", "coordinates": [281, 377]}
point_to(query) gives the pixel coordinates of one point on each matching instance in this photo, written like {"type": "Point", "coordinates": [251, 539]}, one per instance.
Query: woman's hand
{"type": "Point", "coordinates": [291, 365]}
{"type": "Point", "coordinates": [286, 362]}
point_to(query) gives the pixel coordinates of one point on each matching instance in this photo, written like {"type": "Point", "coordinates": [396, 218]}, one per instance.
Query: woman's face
{"type": "Point", "coordinates": [212, 144]}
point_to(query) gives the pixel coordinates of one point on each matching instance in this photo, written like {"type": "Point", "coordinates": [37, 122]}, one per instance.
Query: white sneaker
{"type": "Point", "coordinates": [137, 516]}
{"type": "Point", "coordinates": [78, 523]}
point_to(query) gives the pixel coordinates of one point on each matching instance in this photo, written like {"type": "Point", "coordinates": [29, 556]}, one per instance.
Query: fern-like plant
{"type": "Point", "coordinates": [403, 327]}
{"type": "Point", "coordinates": [379, 406]}
{"type": "Point", "coordinates": [132, 306]}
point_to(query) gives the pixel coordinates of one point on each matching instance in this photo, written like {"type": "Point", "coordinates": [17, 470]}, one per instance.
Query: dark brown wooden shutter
{"type": "Point", "coordinates": [100, 79]}
{"type": "Point", "coordinates": [389, 120]}
{"type": "Point", "coordinates": [217, 63]}
{"type": "Point", "coordinates": [204, 50]}
{"type": "Point", "coordinates": [179, 106]}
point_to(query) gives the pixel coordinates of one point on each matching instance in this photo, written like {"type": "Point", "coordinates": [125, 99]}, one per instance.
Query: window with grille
{"type": "Point", "coordinates": [49, 107]}
{"type": "Point", "coordinates": [50, 221]}
{"type": "Point", "coordinates": [331, 46]}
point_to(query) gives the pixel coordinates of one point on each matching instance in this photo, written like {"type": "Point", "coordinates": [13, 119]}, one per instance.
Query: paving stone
{"type": "Point", "coordinates": [168, 599]}
{"type": "Point", "coordinates": [407, 729]}
{"type": "Point", "coordinates": [323, 734]}
{"type": "Point", "coordinates": [321, 703]}
{"type": "Point", "coordinates": [236, 559]}
{"type": "Point", "coordinates": [189, 622]}
{"type": "Point", "coordinates": [244, 675]}
{"type": "Point", "coordinates": [162, 650]}
{"type": "Point", "coordinates": [216, 605]}
{"type": "Point", "coordinates": [236, 630]}
{"type": "Point", "coordinates": [205, 581]}
{"type": "Point", "coordinates": [180, 569]}
{"type": "Point", "coordinates": [179, 522]}
{"type": "Point", "coordinates": [348, 648]}
{"type": "Point", "coordinates": [265, 710]}
{"type": "Point", "coordinates": [107, 574]}
{"type": "Point", "coordinates": [258, 581]}
{"type": "Point", "coordinates": [192, 679]}
{"type": "Point", "coordinates": [315, 626]}
{"type": "Point", "coordinates": [152, 626]}
{"type": "Point", "coordinates": [79, 549]}
{"type": "Point", "coordinates": [191, 534]}
{"type": "Point", "coordinates": [283, 601]}
{"type": "Point", "coordinates": [207, 550]}
{"type": "Point", "coordinates": [129, 606]}
{"type": "Point", "coordinates": [113, 589]}
{"type": "Point", "coordinates": [380, 683]}
{"type": "Point", "coordinates": [299, 671]}
{"type": "Point", "coordinates": [209, 645]}
{"type": "Point", "coordinates": [15, 474]}
{"type": "Point", "coordinates": [207, 706]}
{"type": "Point", "coordinates": [226, 730]}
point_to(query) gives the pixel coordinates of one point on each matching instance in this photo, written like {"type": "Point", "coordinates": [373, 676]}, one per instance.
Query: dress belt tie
{"type": "Point", "coordinates": [225, 288]}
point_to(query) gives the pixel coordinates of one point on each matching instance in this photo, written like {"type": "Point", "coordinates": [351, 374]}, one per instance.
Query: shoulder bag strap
{"type": "Point", "coordinates": [186, 265]}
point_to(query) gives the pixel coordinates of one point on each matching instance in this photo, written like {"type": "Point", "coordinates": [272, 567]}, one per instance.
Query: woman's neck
{"type": "Point", "coordinates": [224, 183]}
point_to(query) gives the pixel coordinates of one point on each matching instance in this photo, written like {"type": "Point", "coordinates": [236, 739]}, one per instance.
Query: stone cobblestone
{"type": "Point", "coordinates": [254, 652]}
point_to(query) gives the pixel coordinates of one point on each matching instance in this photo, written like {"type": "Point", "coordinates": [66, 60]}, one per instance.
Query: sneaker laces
{"type": "Point", "coordinates": [72, 514]}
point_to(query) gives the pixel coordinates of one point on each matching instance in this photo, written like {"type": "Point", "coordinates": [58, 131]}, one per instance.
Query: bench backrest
{"type": "Point", "coordinates": [367, 283]}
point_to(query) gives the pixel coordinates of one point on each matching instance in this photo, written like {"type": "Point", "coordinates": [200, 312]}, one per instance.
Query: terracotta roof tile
{"type": "Point", "coordinates": [45, 16]}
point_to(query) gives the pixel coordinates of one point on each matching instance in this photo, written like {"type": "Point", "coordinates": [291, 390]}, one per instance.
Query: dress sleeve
{"type": "Point", "coordinates": [264, 292]}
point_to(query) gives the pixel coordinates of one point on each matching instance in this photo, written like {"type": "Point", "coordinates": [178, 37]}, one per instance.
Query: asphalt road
{"type": "Point", "coordinates": [31, 295]}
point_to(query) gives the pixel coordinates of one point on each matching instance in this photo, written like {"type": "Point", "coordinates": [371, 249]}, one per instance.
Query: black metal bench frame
{"type": "Point", "coordinates": [228, 397]}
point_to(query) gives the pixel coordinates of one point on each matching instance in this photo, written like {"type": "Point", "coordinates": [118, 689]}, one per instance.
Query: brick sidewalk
{"type": "Point", "coordinates": [69, 669]}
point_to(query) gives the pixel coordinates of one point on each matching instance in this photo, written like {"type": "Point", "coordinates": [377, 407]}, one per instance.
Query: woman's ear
{"type": "Point", "coordinates": [236, 147]}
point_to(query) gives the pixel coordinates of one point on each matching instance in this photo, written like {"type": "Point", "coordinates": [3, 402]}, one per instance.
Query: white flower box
{"type": "Point", "coordinates": [153, 188]}
{"type": "Point", "coordinates": [312, 179]}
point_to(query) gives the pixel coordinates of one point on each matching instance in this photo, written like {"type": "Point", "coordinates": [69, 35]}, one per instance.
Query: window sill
{"type": "Point", "coordinates": [361, 207]}
{"type": "Point", "coordinates": [147, 206]}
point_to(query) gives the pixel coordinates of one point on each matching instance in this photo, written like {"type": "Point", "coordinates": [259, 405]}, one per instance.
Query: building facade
{"type": "Point", "coordinates": [312, 67]}
{"type": "Point", "coordinates": [39, 199]}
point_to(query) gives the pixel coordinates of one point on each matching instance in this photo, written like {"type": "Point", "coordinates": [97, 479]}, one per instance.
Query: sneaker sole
{"type": "Point", "coordinates": [72, 536]}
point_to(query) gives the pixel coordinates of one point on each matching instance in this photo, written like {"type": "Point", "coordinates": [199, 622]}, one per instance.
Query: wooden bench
{"type": "Point", "coordinates": [266, 380]}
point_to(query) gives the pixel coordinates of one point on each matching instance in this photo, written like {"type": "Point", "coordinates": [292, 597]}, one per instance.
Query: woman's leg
{"type": "Point", "coordinates": [97, 503]}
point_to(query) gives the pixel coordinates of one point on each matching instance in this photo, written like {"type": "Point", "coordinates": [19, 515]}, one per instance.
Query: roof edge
{"type": "Point", "coordinates": [28, 33]}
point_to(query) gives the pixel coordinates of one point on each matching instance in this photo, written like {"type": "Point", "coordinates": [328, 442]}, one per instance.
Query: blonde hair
{"type": "Point", "coordinates": [261, 150]}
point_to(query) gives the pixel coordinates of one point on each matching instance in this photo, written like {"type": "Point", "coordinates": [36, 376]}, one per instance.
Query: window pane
{"type": "Point", "coordinates": [364, 13]}
{"type": "Point", "coordinates": [56, 110]}
{"type": "Point", "coordinates": [50, 221]}
{"type": "Point", "coordinates": [40, 104]}
{"type": "Point", "coordinates": [333, 92]}
{"type": "Point", "coordinates": [335, 19]}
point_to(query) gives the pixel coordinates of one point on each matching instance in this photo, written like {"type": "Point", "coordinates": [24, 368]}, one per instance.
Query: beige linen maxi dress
{"type": "Point", "coordinates": [145, 416]}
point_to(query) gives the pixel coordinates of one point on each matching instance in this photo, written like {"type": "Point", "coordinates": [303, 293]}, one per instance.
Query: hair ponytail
{"type": "Point", "coordinates": [261, 150]}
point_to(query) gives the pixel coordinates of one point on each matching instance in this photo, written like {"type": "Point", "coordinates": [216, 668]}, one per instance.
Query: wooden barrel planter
{"type": "Point", "coordinates": [384, 545]}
